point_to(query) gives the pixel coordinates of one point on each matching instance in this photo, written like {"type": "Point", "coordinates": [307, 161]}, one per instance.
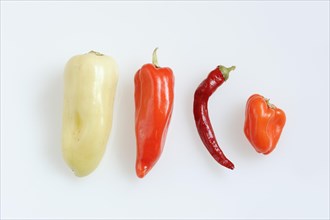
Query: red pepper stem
{"type": "Point", "coordinates": [154, 58]}
{"type": "Point", "coordinates": [270, 105]}
{"type": "Point", "coordinates": [226, 70]}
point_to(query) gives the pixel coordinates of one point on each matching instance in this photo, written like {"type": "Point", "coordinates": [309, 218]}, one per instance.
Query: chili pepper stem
{"type": "Point", "coordinates": [154, 58]}
{"type": "Point", "coordinates": [226, 70]}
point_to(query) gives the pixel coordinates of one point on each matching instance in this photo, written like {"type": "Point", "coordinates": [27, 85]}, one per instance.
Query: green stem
{"type": "Point", "coordinates": [96, 53]}
{"type": "Point", "coordinates": [270, 105]}
{"type": "Point", "coordinates": [154, 58]}
{"type": "Point", "coordinates": [226, 70]}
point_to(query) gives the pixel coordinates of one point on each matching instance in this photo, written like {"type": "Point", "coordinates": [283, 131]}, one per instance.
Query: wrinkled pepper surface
{"type": "Point", "coordinates": [154, 94]}
{"type": "Point", "coordinates": [90, 82]}
{"type": "Point", "coordinates": [201, 114]}
{"type": "Point", "coordinates": [264, 123]}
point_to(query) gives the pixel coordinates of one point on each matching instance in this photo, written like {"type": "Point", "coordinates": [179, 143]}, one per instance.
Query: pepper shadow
{"type": "Point", "coordinates": [51, 104]}
{"type": "Point", "coordinates": [235, 133]}
{"type": "Point", "coordinates": [123, 133]}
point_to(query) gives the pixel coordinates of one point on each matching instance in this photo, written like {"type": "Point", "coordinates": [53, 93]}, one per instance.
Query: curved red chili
{"type": "Point", "coordinates": [215, 79]}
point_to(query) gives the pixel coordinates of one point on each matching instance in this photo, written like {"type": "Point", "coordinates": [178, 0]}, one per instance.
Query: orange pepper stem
{"type": "Point", "coordinates": [226, 70]}
{"type": "Point", "coordinates": [154, 58]}
{"type": "Point", "coordinates": [270, 105]}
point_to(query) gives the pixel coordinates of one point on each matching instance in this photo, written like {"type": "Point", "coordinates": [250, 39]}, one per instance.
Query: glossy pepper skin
{"type": "Point", "coordinates": [154, 95]}
{"type": "Point", "coordinates": [264, 123]}
{"type": "Point", "coordinates": [90, 83]}
{"type": "Point", "coordinates": [204, 127]}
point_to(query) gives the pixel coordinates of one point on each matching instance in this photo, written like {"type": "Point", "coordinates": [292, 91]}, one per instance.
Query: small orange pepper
{"type": "Point", "coordinates": [264, 123]}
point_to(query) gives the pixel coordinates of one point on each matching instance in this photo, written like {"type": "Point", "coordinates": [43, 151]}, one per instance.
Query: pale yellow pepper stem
{"type": "Point", "coordinates": [154, 58]}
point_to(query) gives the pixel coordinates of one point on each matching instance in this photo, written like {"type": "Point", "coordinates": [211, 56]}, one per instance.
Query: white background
{"type": "Point", "coordinates": [281, 50]}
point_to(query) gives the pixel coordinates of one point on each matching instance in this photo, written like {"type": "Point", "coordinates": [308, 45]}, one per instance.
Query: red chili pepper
{"type": "Point", "coordinates": [154, 94]}
{"type": "Point", "coordinates": [215, 79]}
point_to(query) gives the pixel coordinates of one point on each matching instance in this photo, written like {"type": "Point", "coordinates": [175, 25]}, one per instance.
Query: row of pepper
{"type": "Point", "coordinates": [89, 91]}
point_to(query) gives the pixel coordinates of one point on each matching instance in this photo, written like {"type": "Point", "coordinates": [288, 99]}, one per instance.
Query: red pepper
{"type": "Point", "coordinates": [154, 94]}
{"type": "Point", "coordinates": [264, 123]}
{"type": "Point", "coordinates": [215, 79]}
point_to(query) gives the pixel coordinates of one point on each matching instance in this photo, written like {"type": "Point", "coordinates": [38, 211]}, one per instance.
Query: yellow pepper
{"type": "Point", "coordinates": [90, 82]}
